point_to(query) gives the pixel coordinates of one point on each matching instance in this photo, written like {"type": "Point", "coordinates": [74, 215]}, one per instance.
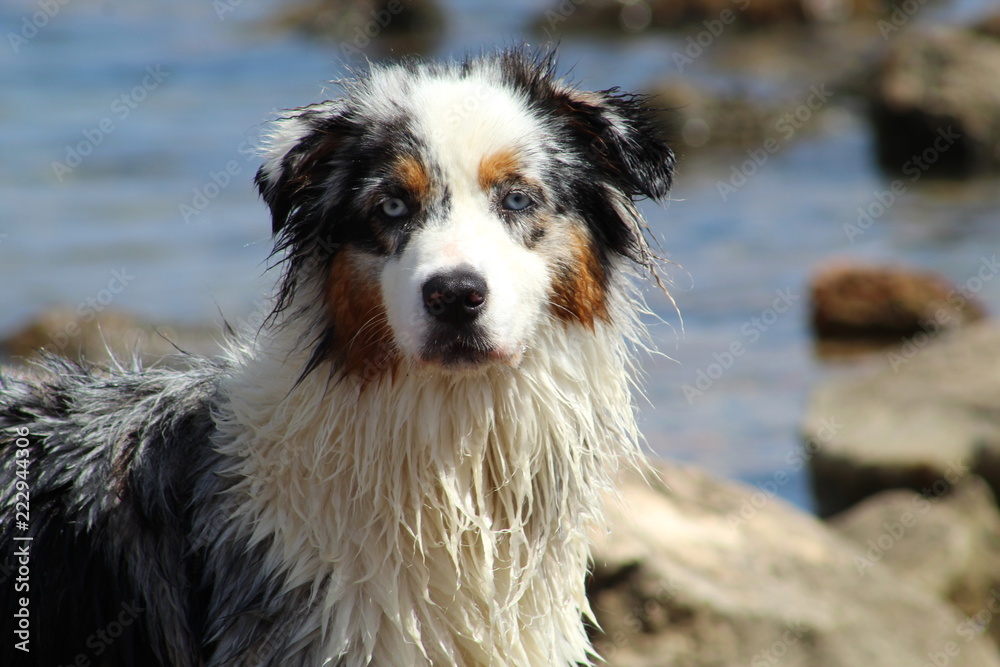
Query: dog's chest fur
{"type": "Point", "coordinates": [431, 519]}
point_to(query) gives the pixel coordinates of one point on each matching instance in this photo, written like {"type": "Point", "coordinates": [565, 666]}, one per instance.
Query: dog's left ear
{"type": "Point", "coordinates": [296, 156]}
{"type": "Point", "coordinates": [622, 139]}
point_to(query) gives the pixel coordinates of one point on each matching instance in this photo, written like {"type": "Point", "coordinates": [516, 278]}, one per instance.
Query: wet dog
{"type": "Point", "coordinates": [401, 466]}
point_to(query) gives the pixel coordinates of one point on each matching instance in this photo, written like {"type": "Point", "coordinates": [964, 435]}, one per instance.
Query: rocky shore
{"type": "Point", "coordinates": [904, 452]}
{"type": "Point", "coordinates": [687, 575]}
{"type": "Point", "coordinates": [901, 565]}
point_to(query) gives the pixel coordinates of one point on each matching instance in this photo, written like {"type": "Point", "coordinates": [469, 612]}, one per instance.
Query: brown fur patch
{"type": "Point", "coordinates": [413, 176]}
{"type": "Point", "coordinates": [578, 286]}
{"type": "Point", "coordinates": [501, 167]}
{"type": "Point", "coordinates": [363, 343]}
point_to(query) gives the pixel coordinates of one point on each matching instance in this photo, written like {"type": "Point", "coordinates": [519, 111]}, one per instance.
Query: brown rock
{"type": "Point", "coordinates": [100, 338]}
{"type": "Point", "coordinates": [989, 25]}
{"type": "Point", "coordinates": [882, 305]}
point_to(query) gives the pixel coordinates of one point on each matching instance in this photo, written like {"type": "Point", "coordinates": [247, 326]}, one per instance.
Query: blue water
{"type": "Point", "coordinates": [164, 95]}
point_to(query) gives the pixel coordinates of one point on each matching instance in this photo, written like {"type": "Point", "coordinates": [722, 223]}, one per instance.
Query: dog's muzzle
{"type": "Point", "coordinates": [455, 300]}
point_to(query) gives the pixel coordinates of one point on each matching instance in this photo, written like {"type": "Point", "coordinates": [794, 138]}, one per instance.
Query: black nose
{"type": "Point", "coordinates": [456, 297]}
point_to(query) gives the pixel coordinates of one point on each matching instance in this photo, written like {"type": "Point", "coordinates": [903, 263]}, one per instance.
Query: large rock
{"type": "Point", "coordinates": [698, 572]}
{"type": "Point", "coordinates": [696, 117]}
{"type": "Point", "coordinates": [949, 546]}
{"type": "Point", "coordinates": [989, 25]}
{"type": "Point", "coordinates": [936, 103]}
{"type": "Point", "coordinates": [864, 306]}
{"type": "Point", "coordinates": [637, 15]}
{"type": "Point", "coordinates": [366, 28]}
{"type": "Point", "coordinates": [925, 419]}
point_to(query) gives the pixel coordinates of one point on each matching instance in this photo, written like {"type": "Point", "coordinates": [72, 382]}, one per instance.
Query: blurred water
{"type": "Point", "coordinates": [164, 95]}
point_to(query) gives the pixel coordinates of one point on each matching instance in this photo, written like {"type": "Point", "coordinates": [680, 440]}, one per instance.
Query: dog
{"type": "Point", "coordinates": [402, 464]}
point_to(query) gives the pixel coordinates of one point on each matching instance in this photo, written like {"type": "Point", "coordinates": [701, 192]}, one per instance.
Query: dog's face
{"type": "Point", "coordinates": [443, 213]}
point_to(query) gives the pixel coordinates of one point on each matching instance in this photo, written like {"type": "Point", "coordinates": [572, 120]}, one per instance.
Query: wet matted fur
{"type": "Point", "coordinates": [401, 466]}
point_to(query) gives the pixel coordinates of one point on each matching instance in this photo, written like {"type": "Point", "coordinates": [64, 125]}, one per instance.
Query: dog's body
{"type": "Point", "coordinates": [401, 466]}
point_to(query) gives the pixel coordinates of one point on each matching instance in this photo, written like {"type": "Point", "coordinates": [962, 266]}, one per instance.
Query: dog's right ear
{"type": "Point", "coordinates": [622, 138]}
{"type": "Point", "coordinates": [297, 154]}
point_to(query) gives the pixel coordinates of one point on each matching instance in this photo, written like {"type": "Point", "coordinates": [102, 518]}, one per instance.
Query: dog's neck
{"type": "Point", "coordinates": [420, 505]}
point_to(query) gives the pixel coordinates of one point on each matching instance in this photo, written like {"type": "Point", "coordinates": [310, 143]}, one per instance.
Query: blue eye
{"type": "Point", "coordinates": [516, 201]}
{"type": "Point", "coordinates": [394, 208]}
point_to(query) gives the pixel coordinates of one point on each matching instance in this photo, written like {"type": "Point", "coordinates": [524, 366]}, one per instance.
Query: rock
{"type": "Point", "coordinates": [922, 421]}
{"type": "Point", "coordinates": [699, 572]}
{"type": "Point", "coordinates": [361, 28]}
{"type": "Point", "coordinates": [865, 306]}
{"type": "Point", "coordinates": [101, 336]}
{"type": "Point", "coordinates": [935, 103]}
{"type": "Point", "coordinates": [989, 25]}
{"type": "Point", "coordinates": [695, 117]}
{"type": "Point", "coordinates": [631, 16]}
{"type": "Point", "coordinates": [949, 547]}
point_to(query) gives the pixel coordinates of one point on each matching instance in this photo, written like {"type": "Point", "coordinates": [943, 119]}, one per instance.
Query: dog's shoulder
{"type": "Point", "coordinates": [96, 432]}
{"type": "Point", "coordinates": [94, 463]}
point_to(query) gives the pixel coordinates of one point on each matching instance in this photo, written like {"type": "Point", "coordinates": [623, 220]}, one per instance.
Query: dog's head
{"type": "Point", "coordinates": [439, 214]}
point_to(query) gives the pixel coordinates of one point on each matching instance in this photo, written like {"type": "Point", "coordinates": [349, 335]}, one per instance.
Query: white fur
{"type": "Point", "coordinates": [437, 505]}
{"type": "Point", "coordinates": [463, 122]}
{"type": "Point", "coordinates": [473, 236]}
{"type": "Point", "coordinates": [283, 135]}
{"type": "Point", "coordinates": [438, 517]}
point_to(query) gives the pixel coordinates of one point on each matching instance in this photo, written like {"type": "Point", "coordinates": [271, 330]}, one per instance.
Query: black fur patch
{"type": "Point", "coordinates": [111, 468]}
